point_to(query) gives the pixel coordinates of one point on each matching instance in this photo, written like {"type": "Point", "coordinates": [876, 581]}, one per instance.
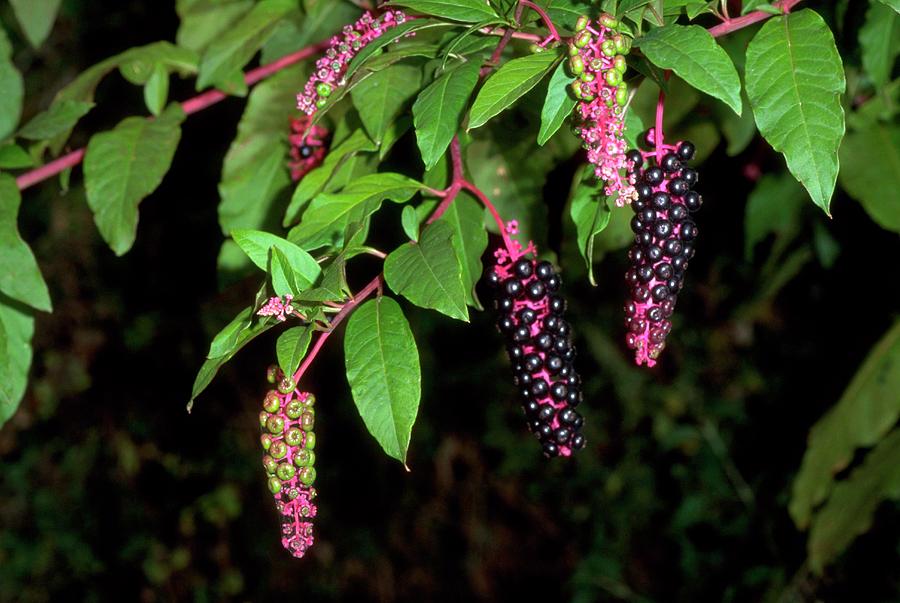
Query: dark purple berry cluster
{"type": "Point", "coordinates": [663, 243]}
{"type": "Point", "coordinates": [539, 343]}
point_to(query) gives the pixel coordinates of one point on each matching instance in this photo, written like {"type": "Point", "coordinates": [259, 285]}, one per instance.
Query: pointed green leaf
{"type": "Point", "coordinates": [12, 87]}
{"type": "Point", "coordinates": [236, 46]}
{"type": "Point", "coordinates": [466, 217]}
{"type": "Point", "coordinates": [428, 273]}
{"type": "Point", "coordinates": [693, 54]}
{"type": "Point", "coordinates": [291, 348]}
{"type": "Point", "coordinates": [794, 81]}
{"type": "Point", "coordinates": [873, 178]}
{"type": "Point", "coordinates": [383, 370]}
{"type": "Point", "coordinates": [20, 277]}
{"type": "Point", "coordinates": [381, 97]}
{"type": "Point", "coordinates": [258, 245]}
{"type": "Point", "coordinates": [590, 210]}
{"type": "Point", "coordinates": [440, 108]}
{"type": "Point", "coordinates": [58, 118]}
{"type": "Point", "coordinates": [156, 90]}
{"type": "Point", "coordinates": [409, 220]}
{"type": "Point", "coordinates": [879, 39]}
{"type": "Point", "coordinates": [36, 18]}
{"type": "Point", "coordinates": [124, 165]}
{"type": "Point", "coordinates": [774, 206]}
{"type": "Point", "coordinates": [468, 11]}
{"type": "Point", "coordinates": [558, 104]}
{"type": "Point", "coordinates": [12, 157]}
{"type": "Point", "coordinates": [203, 21]}
{"type": "Point", "coordinates": [16, 331]}
{"type": "Point", "coordinates": [868, 409]}
{"type": "Point", "coordinates": [326, 217]}
{"type": "Point", "coordinates": [505, 87]}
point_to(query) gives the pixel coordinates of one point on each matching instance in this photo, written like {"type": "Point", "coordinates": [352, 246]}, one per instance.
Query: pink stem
{"type": "Point", "coordinates": [190, 106]}
{"type": "Point", "coordinates": [494, 213]}
{"type": "Point", "coordinates": [347, 308]}
{"type": "Point", "coordinates": [455, 183]}
{"type": "Point", "coordinates": [658, 130]}
{"type": "Point", "coordinates": [518, 35]}
{"type": "Point", "coordinates": [553, 33]}
{"type": "Point", "coordinates": [731, 25]}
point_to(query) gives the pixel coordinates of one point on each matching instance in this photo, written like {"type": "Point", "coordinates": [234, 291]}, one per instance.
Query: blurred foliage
{"type": "Point", "coordinates": [110, 491]}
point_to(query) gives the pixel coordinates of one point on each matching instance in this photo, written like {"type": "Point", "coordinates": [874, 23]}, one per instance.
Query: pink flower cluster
{"type": "Point", "coordinates": [277, 308]}
{"type": "Point", "coordinates": [330, 69]}
{"type": "Point", "coordinates": [287, 421]}
{"type": "Point", "coordinates": [307, 152]}
{"type": "Point", "coordinates": [596, 59]}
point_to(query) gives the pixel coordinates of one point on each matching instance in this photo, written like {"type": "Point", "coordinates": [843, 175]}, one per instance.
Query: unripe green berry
{"type": "Point", "coordinates": [321, 103]}
{"type": "Point", "coordinates": [323, 89]}
{"type": "Point", "coordinates": [608, 48]}
{"type": "Point", "coordinates": [307, 476]}
{"type": "Point", "coordinates": [271, 402]}
{"type": "Point", "coordinates": [576, 65]}
{"type": "Point", "coordinates": [582, 22]}
{"type": "Point", "coordinates": [305, 458]}
{"type": "Point", "coordinates": [587, 76]}
{"type": "Point", "coordinates": [269, 464]}
{"type": "Point", "coordinates": [286, 385]}
{"type": "Point", "coordinates": [263, 417]}
{"type": "Point", "coordinates": [573, 50]}
{"type": "Point", "coordinates": [619, 63]}
{"type": "Point", "coordinates": [576, 89]}
{"type": "Point", "coordinates": [274, 485]}
{"type": "Point", "coordinates": [310, 400]}
{"type": "Point", "coordinates": [622, 43]}
{"type": "Point", "coordinates": [622, 94]}
{"type": "Point", "coordinates": [285, 471]}
{"type": "Point", "coordinates": [293, 437]}
{"type": "Point", "coordinates": [607, 20]}
{"type": "Point", "coordinates": [310, 442]}
{"type": "Point", "coordinates": [583, 39]}
{"type": "Point", "coordinates": [535, 48]}
{"type": "Point", "coordinates": [272, 373]}
{"type": "Point", "coordinates": [266, 441]}
{"type": "Point", "coordinates": [294, 409]}
{"type": "Point", "coordinates": [278, 449]}
{"type": "Point", "coordinates": [275, 425]}
{"type": "Point", "coordinates": [307, 421]}
{"type": "Point", "coordinates": [613, 77]}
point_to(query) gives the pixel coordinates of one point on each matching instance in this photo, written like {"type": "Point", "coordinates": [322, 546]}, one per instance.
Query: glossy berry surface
{"type": "Point", "coordinates": [664, 234]}
{"type": "Point", "coordinates": [541, 351]}
{"type": "Point", "coordinates": [289, 442]}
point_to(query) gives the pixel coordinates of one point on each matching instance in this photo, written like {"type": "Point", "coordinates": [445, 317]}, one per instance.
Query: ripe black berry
{"type": "Point", "coordinates": [539, 346]}
{"type": "Point", "coordinates": [663, 245]}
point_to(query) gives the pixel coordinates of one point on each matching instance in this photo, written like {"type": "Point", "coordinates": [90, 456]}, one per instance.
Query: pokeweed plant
{"type": "Point", "coordinates": [464, 80]}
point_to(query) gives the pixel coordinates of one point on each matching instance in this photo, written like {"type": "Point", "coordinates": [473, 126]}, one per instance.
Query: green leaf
{"type": "Point", "coordinates": [394, 33]}
{"type": "Point", "coordinates": [20, 276]}
{"type": "Point", "coordinates": [316, 181]}
{"type": "Point", "coordinates": [871, 171]}
{"type": "Point", "coordinates": [381, 97]}
{"type": "Point", "coordinates": [16, 331]}
{"type": "Point", "coordinates": [383, 370]}
{"type": "Point", "coordinates": [320, 21]}
{"type": "Point", "coordinates": [410, 222]}
{"type": "Point", "coordinates": [505, 87]}
{"type": "Point", "coordinates": [557, 105]}
{"type": "Point", "coordinates": [58, 118]}
{"type": "Point", "coordinates": [255, 168]}
{"type": "Point", "coordinates": [291, 348]}
{"type": "Point", "coordinates": [851, 508]}
{"type": "Point", "coordinates": [868, 409]}
{"type": "Point", "coordinates": [466, 217]}
{"type": "Point", "coordinates": [894, 4]}
{"type": "Point", "coordinates": [774, 206]}
{"type": "Point", "coordinates": [693, 54]}
{"type": "Point", "coordinates": [138, 65]}
{"type": "Point", "coordinates": [468, 11]}
{"type": "Point", "coordinates": [565, 13]}
{"type": "Point", "coordinates": [794, 81]}
{"type": "Point", "coordinates": [13, 89]}
{"type": "Point", "coordinates": [236, 46]}
{"type": "Point", "coordinates": [590, 210]}
{"type": "Point", "coordinates": [879, 39]}
{"type": "Point", "coordinates": [124, 165]}
{"type": "Point", "coordinates": [235, 335]}
{"type": "Point", "coordinates": [258, 244]}
{"type": "Point", "coordinates": [156, 91]}
{"type": "Point", "coordinates": [440, 109]}
{"type": "Point", "coordinates": [12, 156]}
{"type": "Point", "coordinates": [36, 18]}
{"type": "Point", "coordinates": [428, 273]}
{"type": "Point", "coordinates": [326, 217]}
{"type": "Point", "coordinates": [202, 21]}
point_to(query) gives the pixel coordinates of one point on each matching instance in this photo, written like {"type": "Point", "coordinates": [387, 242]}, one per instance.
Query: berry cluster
{"type": "Point", "coordinates": [539, 343]}
{"type": "Point", "coordinates": [307, 152]}
{"type": "Point", "coordinates": [663, 243]}
{"type": "Point", "coordinates": [287, 420]}
{"type": "Point", "coordinates": [596, 59]}
{"type": "Point", "coordinates": [330, 69]}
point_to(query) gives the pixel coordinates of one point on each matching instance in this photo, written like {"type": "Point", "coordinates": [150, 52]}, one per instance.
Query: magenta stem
{"type": "Point", "coordinates": [730, 25]}
{"type": "Point", "coordinates": [190, 106]}
{"type": "Point", "coordinates": [543, 14]}
{"type": "Point", "coordinates": [658, 130]}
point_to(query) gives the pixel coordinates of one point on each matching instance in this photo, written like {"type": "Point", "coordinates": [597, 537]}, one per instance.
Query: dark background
{"type": "Point", "coordinates": [110, 491]}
